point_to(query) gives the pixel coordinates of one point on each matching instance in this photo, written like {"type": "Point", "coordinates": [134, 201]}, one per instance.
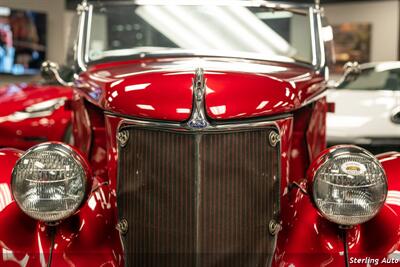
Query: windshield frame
{"type": "Point", "coordinates": [85, 10]}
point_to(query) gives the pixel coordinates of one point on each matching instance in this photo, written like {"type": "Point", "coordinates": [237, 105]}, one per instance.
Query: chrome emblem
{"type": "Point", "coordinates": [122, 226]}
{"type": "Point", "coordinates": [198, 119]}
{"type": "Point", "coordinates": [123, 137]}
{"type": "Point", "coordinates": [274, 138]}
{"type": "Point", "coordinates": [274, 227]}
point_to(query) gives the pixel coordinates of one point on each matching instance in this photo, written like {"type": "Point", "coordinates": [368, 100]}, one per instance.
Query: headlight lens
{"type": "Point", "coordinates": [350, 185]}
{"type": "Point", "coordinates": [49, 182]}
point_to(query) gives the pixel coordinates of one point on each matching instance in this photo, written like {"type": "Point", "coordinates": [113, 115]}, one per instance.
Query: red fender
{"type": "Point", "coordinates": [88, 238]}
{"type": "Point", "coordinates": [307, 239]}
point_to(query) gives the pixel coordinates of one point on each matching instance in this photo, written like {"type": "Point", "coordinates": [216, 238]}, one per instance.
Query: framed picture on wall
{"type": "Point", "coordinates": [23, 36]}
{"type": "Point", "coordinates": [352, 43]}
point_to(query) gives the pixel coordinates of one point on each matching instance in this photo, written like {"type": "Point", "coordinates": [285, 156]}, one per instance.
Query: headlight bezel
{"type": "Point", "coordinates": [332, 154]}
{"type": "Point", "coordinates": [67, 151]}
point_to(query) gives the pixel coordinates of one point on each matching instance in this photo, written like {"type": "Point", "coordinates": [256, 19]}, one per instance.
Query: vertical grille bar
{"type": "Point", "coordinates": [198, 200]}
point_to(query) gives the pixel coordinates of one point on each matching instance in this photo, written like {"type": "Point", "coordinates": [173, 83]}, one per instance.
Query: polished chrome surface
{"type": "Point", "coordinates": [123, 137]}
{"type": "Point", "coordinates": [60, 147]}
{"type": "Point", "coordinates": [42, 172]}
{"type": "Point", "coordinates": [274, 227]}
{"type": "Point", "coordinates": [244, 3]}
{"type": "Point", "coordinates": [274, 138]}
{"type": "Point", "coordinates": [171, 126]}
{"type": "Point", "coordinates": [123, 226]}
{"type": "Point", "coordinates": [82, 7]}
{"type": "Point", "coordinates": [349, 185]}
{"type": "Point", "coordinates": [395, 117]}
{"type": "Point", "coordinates": [198, 119]}
{"type": "Point", "coordinates": [49, 68]}
{"type": "Point", "coordinates": [81, 41]}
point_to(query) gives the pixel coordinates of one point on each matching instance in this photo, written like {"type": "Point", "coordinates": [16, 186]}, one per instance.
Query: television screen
{"type": "Point", "coordinates": [22, 41]}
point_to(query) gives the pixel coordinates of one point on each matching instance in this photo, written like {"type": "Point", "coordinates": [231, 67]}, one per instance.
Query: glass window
{"type": "Point", "coordinates": [120, 30]}
{"type": "Point", "coordinates": [371, 79]}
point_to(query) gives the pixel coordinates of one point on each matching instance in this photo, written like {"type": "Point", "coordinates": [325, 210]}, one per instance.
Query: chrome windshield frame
{"type": "Point", "coordinates": [318, 62]}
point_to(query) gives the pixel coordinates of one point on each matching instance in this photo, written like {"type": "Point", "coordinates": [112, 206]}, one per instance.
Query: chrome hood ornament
{"type": "Point", "coordinates": [198, 119]}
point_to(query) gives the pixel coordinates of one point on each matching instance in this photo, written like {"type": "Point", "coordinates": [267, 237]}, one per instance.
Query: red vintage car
{"type": "Point", "coordinates": [199, 131]}
{"type": "Point", "coordinates": [34, 113]}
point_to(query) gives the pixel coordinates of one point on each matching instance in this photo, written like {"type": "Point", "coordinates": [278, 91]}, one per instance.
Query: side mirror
{"type": "Point", "coordinates": [351, 71]}
{"type": "Point", "coordinates": [51, 72]}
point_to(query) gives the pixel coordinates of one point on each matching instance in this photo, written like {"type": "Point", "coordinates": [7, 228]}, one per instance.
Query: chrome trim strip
{"type": "Point", "coordinates": [321, 46]}
{"type": "Point", "coordinates": [313, 37]}
{"type": "Point", "coordinates": [318, 48]}
{"type": "Point", "coordinates": [88, 33]}
{"type": "Point", "coordinates": [198, 182]}
{"type": "Point", "coordinates": [242, 124]}
{"type": "Point", "coordinates": [245, 3]}
{"type": "Point", "coordinates": [180, 127]}
{"type": "Point", "coordinates": [82, 12]}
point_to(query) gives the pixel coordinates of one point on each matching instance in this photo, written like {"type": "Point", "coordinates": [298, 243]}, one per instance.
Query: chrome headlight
{"type": "Point", "coordinates": [49, 182]}
{"type": "Point", "coordinates": [350, 185]}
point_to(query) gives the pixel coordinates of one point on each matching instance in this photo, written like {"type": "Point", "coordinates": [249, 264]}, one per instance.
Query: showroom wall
{"type": "Point", "coordinates": [384, 17]}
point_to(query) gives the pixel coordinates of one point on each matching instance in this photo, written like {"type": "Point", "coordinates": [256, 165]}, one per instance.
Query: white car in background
{"type": "Point", "coordinates": [367, 111]}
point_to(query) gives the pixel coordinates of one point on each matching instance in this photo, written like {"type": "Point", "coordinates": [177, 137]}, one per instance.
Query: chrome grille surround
{"type": "Point", "coordinates": [152, 245]}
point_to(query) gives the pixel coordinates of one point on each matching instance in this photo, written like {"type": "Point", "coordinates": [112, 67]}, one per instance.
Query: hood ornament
{"type": "Point", "coordinates": [198, 119]}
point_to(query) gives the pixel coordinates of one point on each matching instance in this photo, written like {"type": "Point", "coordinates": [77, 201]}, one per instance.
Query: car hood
{"type": "Point", "coordinates": [362, 113]}
{"type": "Point", "coordinates": [235, 89]}
{"type": "Point", "coordinates": [17, 97]}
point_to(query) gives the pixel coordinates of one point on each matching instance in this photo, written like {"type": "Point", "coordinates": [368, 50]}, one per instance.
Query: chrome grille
{"type": "Point", "coordinates": [196, 199]}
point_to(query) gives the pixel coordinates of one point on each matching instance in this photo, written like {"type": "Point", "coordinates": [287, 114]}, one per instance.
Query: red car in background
{"type": "Point", "coordinates": [199, 140]}
{"type": "Point", "coordinates": [34, 113]}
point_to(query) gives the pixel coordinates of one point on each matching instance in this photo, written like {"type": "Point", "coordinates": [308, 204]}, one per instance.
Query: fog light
{"type": "Point", "coordinates": [49, 182]}
{"type": "Point", "coordinates": [349, 185]}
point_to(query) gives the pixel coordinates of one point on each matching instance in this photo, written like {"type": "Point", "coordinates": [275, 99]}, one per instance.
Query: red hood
{"type": "Point", "coordinates": [236, 89]}
{"type": "Point", "coordinates": [16, 97]}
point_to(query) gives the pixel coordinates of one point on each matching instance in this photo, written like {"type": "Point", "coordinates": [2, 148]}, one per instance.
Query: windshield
{"type": "Point", "coordinates": [375, 78]}
{"type": "Point", "coordinates": [232, 30]}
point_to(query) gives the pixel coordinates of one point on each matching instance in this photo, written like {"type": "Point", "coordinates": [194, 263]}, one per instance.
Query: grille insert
{"type": "Point", "coordinates": [198, 199]}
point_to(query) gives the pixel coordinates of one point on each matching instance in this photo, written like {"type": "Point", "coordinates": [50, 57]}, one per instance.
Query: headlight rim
{"type": "Point", "coordinates": [331, 153]}
{"type": "Point", "coordinates": [67, 150]}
